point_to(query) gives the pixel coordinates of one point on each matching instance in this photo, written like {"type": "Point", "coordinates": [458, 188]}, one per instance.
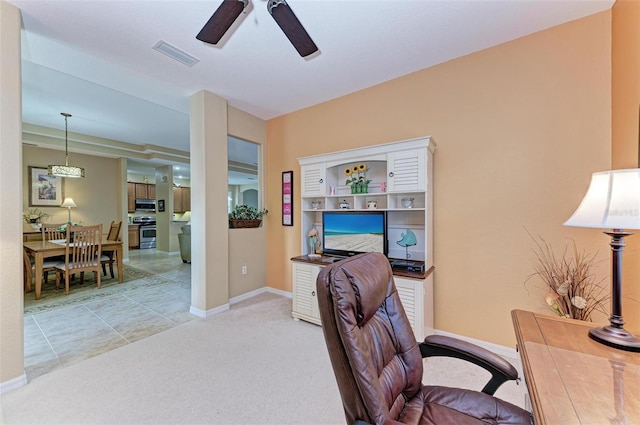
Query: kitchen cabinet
{"type": "Point", "coordinates": [186, 198]}
{"type": "Point", "coordinates": [145, 191]}
{"type": "Point", "coordinates": [131, 197]}
{"type": "Point", "coordinates": [134, 236]}
{"type": "Point", "coordinates": [181, 199]}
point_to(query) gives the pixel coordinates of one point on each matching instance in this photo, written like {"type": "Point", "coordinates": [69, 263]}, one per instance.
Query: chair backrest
{"type": "Point", "coordinates": [50, 232]}
{"type": "Point", "coordinates": [373, 351]}
{"type": "Point", "coordinates": [28, 271]}
{"type": "Point", "coordinates": [114, 231]}
{"type": "Point", "coordinates": [84, 246]}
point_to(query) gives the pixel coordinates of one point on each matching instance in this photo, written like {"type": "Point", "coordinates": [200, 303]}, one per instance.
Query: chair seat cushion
{"type": "Point", "coordinates": [444, 405]}
{"type": "Point", "coordinates": [105, 258]}
{"type": "Point", "coordinates": [61, 265]}
{"type": "Point", "coordinates": [46, 264]}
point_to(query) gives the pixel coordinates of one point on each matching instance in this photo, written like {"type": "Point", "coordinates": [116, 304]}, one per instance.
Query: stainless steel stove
{"type": "Point", "coordinates": [147, 231]}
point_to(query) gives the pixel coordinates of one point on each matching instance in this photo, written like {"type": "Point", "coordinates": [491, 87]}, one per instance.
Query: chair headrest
{"type": "Point", "coordinates": [365, 281]}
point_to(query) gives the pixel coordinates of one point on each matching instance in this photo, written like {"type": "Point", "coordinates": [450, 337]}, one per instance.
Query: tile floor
{"type": "Point", "coordinates": [58, 338]}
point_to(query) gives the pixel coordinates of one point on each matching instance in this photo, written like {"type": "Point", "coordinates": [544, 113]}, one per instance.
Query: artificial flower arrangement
{"type": "Point", "coordinates": [246, 216]}
{"type": "Point", "coordinates": [63, 228]}
{"type": "Point", "coordinates": [357, 178]}
{"type": "Point", "coordinates": [574, 291]}
{"type": "Point", "coordinates": [34, 215]}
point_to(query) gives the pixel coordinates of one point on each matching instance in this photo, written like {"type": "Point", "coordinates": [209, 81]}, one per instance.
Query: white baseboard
{"type": "Point", "coordinates": [208, 313]}
{"type": "Point", "coordinates": [279, 292]}
{"type": "Point", "coordinates": [234, 300]}
{"type": "Point", "coordinates": [13, 384]}
{"type": "Point", "coordinates": [509, 354]}
{"type": "Point", "coordinates": [247, 295]}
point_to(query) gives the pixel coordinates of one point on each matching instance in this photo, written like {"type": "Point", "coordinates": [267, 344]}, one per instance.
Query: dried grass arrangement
{"type": "Point", "coordinates": [574, 291]}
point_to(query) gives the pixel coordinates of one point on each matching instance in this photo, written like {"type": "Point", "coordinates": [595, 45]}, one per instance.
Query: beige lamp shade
{"type": "Point", "coordinates": [68, 203]}
{"type": "Point", "coordinates": [612, 201]}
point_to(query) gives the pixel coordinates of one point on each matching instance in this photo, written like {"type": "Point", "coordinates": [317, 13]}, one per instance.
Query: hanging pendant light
{"type": "Point", "coordinates": [65, 170]}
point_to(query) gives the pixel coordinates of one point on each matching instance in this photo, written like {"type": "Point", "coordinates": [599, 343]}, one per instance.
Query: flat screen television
{"type": "Point", "coordinates": [347, 233]}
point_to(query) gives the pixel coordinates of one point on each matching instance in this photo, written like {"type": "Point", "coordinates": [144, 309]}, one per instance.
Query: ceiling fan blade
{"type": "Point", "coordinates": [221, 20]}
{"type": "Point", "coordinates": [291, 26]}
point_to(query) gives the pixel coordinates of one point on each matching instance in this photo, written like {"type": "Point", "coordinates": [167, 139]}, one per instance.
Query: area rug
{"type": "Point", "coordinates": [133, 279]}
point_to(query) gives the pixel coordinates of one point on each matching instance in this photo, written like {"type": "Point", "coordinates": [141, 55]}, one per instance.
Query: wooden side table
{"type": "Point", "coordinates": [573, 379]}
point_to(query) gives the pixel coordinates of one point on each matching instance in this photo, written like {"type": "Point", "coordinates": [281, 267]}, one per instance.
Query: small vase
{"type": "Point", "coordinates": [358, 189]}
{"type": "Point", "coordinates": [365, 188]}
{"type": "Point", "coordinates": [354, 188]}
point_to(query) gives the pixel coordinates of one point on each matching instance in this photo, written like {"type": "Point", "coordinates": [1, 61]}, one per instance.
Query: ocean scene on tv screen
{"type": "Point", "coordinates": [354, 232]}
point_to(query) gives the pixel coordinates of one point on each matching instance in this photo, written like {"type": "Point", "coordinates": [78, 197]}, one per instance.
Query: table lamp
{"type": "Point", "coordinates": [68, 204]}
{"type": "Point", "coordinates": [612, 202]}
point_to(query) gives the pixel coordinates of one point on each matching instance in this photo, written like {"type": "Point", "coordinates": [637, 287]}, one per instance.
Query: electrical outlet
{"type": "Point", "coordinates": [244, 269]}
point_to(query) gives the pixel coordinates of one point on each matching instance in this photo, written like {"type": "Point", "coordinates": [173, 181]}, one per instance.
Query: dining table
{"type": "Point", "coordinates": [39, 250]}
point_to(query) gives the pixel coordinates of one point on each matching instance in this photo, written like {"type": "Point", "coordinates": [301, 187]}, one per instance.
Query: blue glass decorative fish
{"type": "Point", "coordinates": [408, 239]}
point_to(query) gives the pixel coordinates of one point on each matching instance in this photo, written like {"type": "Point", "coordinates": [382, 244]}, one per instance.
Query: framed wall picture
{"type": "Point", "coordinates": [44, 190]}
{"type": "Point", "coordinates": [287, 198]}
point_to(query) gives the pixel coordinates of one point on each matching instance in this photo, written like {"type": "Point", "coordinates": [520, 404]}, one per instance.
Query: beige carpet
{"type": "Point", "coordinates": [52, 298]}
{"type": "Point", "coordinates": [250, 365]}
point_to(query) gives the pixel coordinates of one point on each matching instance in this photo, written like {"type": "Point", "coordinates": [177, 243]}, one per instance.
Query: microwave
{"type": "Point", "coordinates": [145, 204]}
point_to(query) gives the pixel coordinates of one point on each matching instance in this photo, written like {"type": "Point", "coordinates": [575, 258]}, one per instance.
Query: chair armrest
{"type": "Point", "coordinates": [500, 369]}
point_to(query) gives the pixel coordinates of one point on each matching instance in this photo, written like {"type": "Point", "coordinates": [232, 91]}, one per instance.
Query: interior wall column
{"type": "Point", "coordinates": [123, 206]}
{"type": "Point", "coordinates": [164, 192]}
{"type": "Point", "coordinates": [209, 220]}
{"type": "Point", "coordinates": [11, 301]}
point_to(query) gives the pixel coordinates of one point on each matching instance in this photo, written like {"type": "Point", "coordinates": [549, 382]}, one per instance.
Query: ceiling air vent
{"type": "Point", "coordinates": [175, 53]}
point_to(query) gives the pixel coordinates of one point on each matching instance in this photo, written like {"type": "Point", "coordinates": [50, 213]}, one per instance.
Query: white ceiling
{"type": "Point", "coordinates": [94, 59]}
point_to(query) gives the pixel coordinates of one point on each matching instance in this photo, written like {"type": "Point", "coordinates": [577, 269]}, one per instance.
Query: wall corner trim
{"type": "Point", "coordinates": [13, 384]}
{"type": "Point", "coordinates": [208, 313]}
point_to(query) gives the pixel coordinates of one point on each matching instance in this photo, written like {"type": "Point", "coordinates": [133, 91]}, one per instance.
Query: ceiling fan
{"type": "Point", "coordinates": [229, 10]}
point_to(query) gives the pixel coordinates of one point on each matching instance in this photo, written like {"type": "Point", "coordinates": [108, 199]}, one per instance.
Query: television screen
{"type": "Point", "coordinates": [347, 233]}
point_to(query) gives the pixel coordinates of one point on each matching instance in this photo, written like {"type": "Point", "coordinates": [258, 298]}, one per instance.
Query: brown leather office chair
{"type": "Point", "coordinates": [378, 363]}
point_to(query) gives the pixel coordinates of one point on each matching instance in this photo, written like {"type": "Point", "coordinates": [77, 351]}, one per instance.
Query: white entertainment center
{"type": "Point", "coordinates": [397, 171]}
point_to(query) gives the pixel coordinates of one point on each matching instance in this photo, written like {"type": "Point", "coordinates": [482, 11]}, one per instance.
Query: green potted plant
{"type": "Point", "coordinates": [34, 216]}
{"type": "Point", "coordinates": [243, 216]}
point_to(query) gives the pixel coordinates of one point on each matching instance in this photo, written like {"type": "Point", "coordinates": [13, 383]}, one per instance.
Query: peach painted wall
{"type": "Point", "coordinates": [520, 128]}
{"type": "Point", "coordinates": [625, 107]}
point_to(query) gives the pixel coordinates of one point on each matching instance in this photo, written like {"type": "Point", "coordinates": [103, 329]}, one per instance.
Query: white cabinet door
{"type": "Point", "coordinates": [313, 180]}
{"type": "Point", "coordinates": [411, 294]}
{"type": "Point", "coordinates": [305, 300]}
{"type": "Point", "coordinates": [406, 171]}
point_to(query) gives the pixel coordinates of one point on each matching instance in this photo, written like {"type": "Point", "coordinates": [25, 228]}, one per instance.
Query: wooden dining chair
{"type": "Point", "coordinates": [48, 265]}
{"type": "Point", "coordinates": [82, 253]}
{"type": "Point", "coordinates": [50, 232]}
{"type": "Point", "coordinates": [108, 257]}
